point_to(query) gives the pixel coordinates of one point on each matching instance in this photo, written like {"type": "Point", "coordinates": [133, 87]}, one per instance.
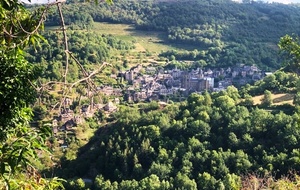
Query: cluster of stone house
{"type": "Point", "coordinates": [65, 123]}
{"type": "Point", "coordinates": [159, 83]}
{"type": "Point", "coordinates": [130, 74]}
{"type": "Point", "coordinates": [155, 84]}
{"type": "Point", "coordinates": [110, 91]}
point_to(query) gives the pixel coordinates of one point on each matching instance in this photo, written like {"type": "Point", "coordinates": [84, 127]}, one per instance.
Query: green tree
{"type": "Point", "coordinates": [270, 82]}
{"type": "Point", "coordinates": [76, 184]}
{"type": "Point", "coordinates": [290, 45]}
{"type": "Point", "coordinates": [152, 183]}
{"type": "Point", "coordinates": [182, 181]}
{"type": "Point", "coordinates": [296, 100]}
{"type": "Point", "coordinates": [206, 181]}
{"type": "Point", "coordinates": [233, 93]}
{"type": "Point", "coordinates": [248, 101]}
{"type": "Point", "coordinates": [267, 99]}
{"type": "Point", "coordinates": [225, 102]}
{"type": "Point", "coordinates": [161, 170]}
{"type": "Point", "coordinates": [101, 183]}
{"type": "Point", "coordinates": [233, 182]}
{"type": "Point", "coordinates": [128, 184]}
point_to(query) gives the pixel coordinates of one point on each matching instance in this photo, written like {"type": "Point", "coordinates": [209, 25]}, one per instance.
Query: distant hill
{"type": "Point", "coordinates": [224, 32]}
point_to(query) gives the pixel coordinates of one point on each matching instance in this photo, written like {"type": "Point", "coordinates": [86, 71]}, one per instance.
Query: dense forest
{"type": "Point", "coordinates": [209, 141]}
{"type": "Point", "coordinates": [222, 32]}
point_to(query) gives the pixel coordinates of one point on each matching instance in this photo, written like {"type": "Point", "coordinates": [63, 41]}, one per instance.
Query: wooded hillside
{"type": "Point", "coordinates": [222, 32]}
{"type": "Point", "coordinates": [206, 142]}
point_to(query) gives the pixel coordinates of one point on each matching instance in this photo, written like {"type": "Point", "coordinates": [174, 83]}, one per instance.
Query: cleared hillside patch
{"type": "Point", "coordinates": [278, 99]}
{"type": "Point", "coordinates": [152, 41]}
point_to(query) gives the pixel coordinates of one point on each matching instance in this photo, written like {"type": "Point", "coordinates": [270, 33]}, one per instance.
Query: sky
{"type": "Point", "coordinates": [279, 1]}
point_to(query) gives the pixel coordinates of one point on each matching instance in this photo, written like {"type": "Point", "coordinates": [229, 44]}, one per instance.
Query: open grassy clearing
{"type": "Point", "coordinates": [152, 41]}
{"type": "Point", "coordinates": [278, 99]}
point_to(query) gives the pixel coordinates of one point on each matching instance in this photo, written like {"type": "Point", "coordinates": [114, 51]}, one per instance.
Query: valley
{"type": "Point", "coordinates": [150, 95]}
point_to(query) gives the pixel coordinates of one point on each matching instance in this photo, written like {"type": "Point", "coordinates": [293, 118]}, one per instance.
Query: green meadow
{"type": "Point", "coordinates": [152, 41]}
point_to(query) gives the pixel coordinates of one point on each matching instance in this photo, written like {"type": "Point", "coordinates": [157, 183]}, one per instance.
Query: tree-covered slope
{"type": "Point", "coordinates": [88, 48]}
{"type": "Point", "coordinates": [224, 32]}
{"type": "Point", "coordinates": [206, 142]}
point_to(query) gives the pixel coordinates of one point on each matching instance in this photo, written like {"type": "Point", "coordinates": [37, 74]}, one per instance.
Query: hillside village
{"type": "Point", "coordinates": [156, 84]}
{"type": "Point", "coordinates": [153, 84]}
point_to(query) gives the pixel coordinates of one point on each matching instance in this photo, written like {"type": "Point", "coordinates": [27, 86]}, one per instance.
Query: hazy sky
{"type": "Point", "coordinates": [279, 1]}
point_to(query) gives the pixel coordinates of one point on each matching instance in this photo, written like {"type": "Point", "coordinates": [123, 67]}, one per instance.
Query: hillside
{"type": "Point", "coordinates": [222, 32]}
{"type": "Point", "coordinates": [206, 142]}
{"type": "Point", "coordinates": [143, 98]}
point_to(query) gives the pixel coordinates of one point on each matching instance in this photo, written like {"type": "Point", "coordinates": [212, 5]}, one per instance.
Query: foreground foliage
{"type": "Point", "coordinates": [20, 144]}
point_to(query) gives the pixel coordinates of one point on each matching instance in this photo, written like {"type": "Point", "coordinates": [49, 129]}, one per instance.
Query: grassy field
{"type": "Point", "coordinates": [278, 99]}
{"type": "Point", "coordinates": [152, 41]}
